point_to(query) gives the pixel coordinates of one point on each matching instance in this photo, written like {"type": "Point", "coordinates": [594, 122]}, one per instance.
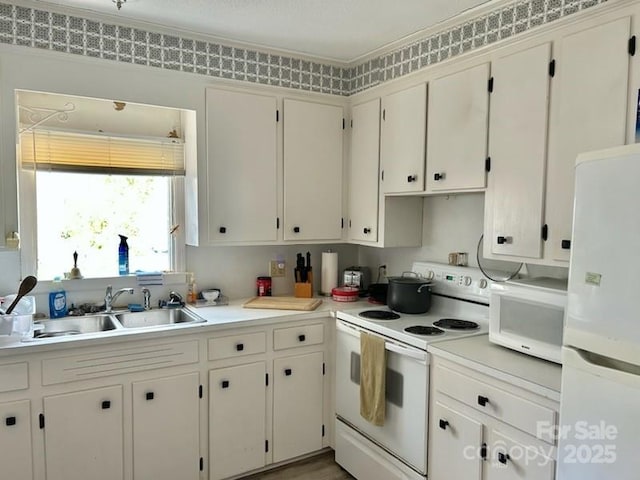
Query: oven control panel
{"type": "Point", "coordinates": [462, 282]}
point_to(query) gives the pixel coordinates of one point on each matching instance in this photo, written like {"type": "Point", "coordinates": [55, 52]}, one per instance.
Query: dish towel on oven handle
{"type": "Point", "coordinates": [373, 367]}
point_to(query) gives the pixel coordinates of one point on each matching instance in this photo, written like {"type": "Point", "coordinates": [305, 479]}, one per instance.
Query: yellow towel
{"type": "Point", "coordinates": [373, 367]}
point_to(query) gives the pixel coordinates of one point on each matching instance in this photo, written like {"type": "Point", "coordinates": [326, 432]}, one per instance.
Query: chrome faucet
{"type": "Point", "coordinates": [110, 298]}
{"type": "Point", "coordinates": [146, 295]}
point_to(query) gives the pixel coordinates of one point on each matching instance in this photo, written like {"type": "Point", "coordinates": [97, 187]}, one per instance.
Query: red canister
{"type": "Point", "coordinates": [263, 286]}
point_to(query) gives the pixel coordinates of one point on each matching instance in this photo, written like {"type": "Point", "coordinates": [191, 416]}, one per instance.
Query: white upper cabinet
{"type": "Point", "coordinates": [363, 171]}
{"type": "Point", "coordinates": [242, 167]}
{"type": "Point", "coordinates": [517, 148]}
{"type": "Point", "coordinates": [402, 143]}
{"type": "Point", "coordinates": [589, 111]}
{"type": "Point", "coordinates": [457, 130]}
{"type": "Point", "coordinates": [313, 166]}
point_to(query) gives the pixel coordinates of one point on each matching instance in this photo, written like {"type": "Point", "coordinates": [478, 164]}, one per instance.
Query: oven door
{"type": "Point", "coordinates": [404, 433]}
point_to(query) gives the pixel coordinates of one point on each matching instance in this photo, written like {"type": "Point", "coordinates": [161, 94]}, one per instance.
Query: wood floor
{"type": "Point", "coordinates": [320, 467]}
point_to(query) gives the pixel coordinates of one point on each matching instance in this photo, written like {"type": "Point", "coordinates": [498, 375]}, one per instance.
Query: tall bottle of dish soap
{"type": "Point", "coordinates": [57, 300]}
{"type": "Point", "coordinates": [123, 256]}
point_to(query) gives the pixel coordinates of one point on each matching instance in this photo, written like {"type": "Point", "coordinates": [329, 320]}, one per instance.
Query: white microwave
{"type": "Point", "coordinates": [527, 315]}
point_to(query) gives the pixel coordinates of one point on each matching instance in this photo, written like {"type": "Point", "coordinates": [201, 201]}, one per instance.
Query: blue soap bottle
{"type": "Point", "coordinates": [57, 300]}
{"type": "Point", "coordinates": [123, 256]}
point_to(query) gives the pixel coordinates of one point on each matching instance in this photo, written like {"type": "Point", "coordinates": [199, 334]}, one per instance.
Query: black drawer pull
{"type": "Point", "coordinates": [482, 401]}
{"type": "Point", "coordinates": [566, 244]}
{"type": "Point", "coordinates": [287, 372]}
{"type": "Point", "coordinates": [224, 384]}
{"type": "Point", "coordinates": [10, 421]}
{"type": "Point", "coordinates": [443, 424]}
{"type": "Point", "coordinates": [438, 176]}
{"type": "Point", "coordinates": [302, 338]}
{"type": "Point", "coordinates": [223, 230]}
{"type": "Point", "coordinates": [366, 230]}
{"type": "Point", "coordinates": [239, 347]}
{"type": "Point", "coordinates": [149, 395]}
{"type": "Point", "coordinates": [412, 178]}
{"type": "Point", "coordinates": [106, 404]}
{"type": "Point", "coordinates": [503, 457]}
{"type": "Point", "coordinates": [296, 229]}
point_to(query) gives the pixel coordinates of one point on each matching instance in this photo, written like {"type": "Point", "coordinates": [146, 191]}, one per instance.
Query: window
{"type": "Point", "coordinates": [80, 190]}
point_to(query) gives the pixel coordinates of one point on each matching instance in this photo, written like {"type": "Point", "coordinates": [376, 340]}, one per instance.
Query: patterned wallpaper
{"type": "Point", "coordinates": [38, 28]}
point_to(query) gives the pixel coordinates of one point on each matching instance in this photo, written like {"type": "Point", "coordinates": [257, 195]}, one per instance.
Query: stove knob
{"type": "Point", "coordinates": [467, 281]}
{"type": "Point", "coordinates": [430, 275]}
{"type": "Point", "coordinates": [482, 283]}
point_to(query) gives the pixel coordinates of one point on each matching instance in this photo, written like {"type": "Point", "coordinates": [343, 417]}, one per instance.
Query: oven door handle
{"type": "Point", "coordinates": [416, 354]}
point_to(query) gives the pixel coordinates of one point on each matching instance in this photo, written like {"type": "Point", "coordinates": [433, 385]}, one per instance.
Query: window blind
{"type": "Point", "coordinates": [91, 153]}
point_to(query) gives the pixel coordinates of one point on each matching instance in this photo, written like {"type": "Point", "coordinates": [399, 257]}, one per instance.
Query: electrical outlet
{"type": "Point", "coordinates": [276, 268]}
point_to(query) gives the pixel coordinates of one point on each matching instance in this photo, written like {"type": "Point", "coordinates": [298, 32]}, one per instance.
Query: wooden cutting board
{"type": "Point", "coordinates": [284, 303]}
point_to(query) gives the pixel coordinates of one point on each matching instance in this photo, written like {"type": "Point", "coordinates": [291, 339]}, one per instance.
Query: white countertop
{"type": "Point", "coordinates": [215, 318]}
{"type": "Point", "coordinates": [477, 353]}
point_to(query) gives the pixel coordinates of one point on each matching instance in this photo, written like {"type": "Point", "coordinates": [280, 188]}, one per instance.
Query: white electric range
{"type": "Point", "coordinates": [398, 449]}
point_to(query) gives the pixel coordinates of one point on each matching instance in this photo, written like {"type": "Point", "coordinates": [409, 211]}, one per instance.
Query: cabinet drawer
{"type": "Point", "coordinates": [237, 345]}
{"type": "Point", "coordinates": [505, 406]}
{"type": "Point", "coordinates": [298, 336]}
{"type": "Point", "coordinates": [14, 376]}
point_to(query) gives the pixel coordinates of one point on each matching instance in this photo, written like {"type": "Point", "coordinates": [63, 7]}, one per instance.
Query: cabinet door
{"type": "Point", "coordinates": [364, 170]}
{"type": "Point", "coordinates": [517, 147]}
{"type": "Point", "coordinates": [241, 168]}
{"type": "Point", "coordinates": [510, 459]}
{"type": "Point", "coordinates": [166, 428]}
{"type": "Point", "coordinates": [297, 405]}
{"type": "Point", "coordinates": [403, 130]}
{"type": "Point", "coordinates": [237, 417]}
{"type": "Point", "coordinates": [15, 441]}
{"type": "Point", "coordinates": [589, 109]}
{"type": "Point", "coordinates": [312, 171]}
{"type": "Point", "coordinates": [457, 130]}
{"type": "Point", "coordinates": [455, 449]}
{"type": "Point", "coordinates": [83, 435]}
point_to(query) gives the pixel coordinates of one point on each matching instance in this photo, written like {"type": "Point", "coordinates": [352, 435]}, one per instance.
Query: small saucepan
{"type": "Point", "coordinates": [409, 293]}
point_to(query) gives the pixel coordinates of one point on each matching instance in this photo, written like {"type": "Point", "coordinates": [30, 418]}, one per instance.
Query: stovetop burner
{"type": "Point", "coordinates": [456, 324]}
{"type": "Point", "coordinates": [379, 315]}
{"type": "Point", "coordinates": [424, 330]}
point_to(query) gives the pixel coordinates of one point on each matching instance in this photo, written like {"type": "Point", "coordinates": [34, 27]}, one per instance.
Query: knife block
{"type": "Point", "coordinates": [304, 290]}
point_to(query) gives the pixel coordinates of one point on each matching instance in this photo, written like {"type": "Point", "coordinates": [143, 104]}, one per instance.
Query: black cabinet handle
{"type": "Point", "coordinates": [287, 372]}
{"type": "Point", "coordinates": [503, 457]}
{"type": "Point", "coordinates": [443, 424]}
{"type": "Point", "coordinates": [302, 338]}
{"type": "Point", "coordinates": [296, 229]}
{"type": "Point", "coordinates": [223, 230]}
{"type": "Point", "coordinates": [366, 230]}
{"type": "Point", "coordinates": [566, 244]}
{"type": "Point", "coordinates": [483, 451]}
{"type": "Point", "coordinates": [149, 395]}
{"type": "Point", "coordinates": [502, 240]}
{"type": "Point", "coordinates": [482, 401]}
{"type": "Point", "coordinates": [239, 347]}
{"type": "Point", "coordinates": [106, 404]}
{"type": "Point", "coordinates": [438, 176]}
{"type": "Point", "coordinates": [224, 384]}
{"type": "Point", "coordinates": [412, 178]}
{"type": "Point", "coordinates": [10, 421]}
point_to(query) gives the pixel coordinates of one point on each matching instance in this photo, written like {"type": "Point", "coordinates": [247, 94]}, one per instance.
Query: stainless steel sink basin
{"type": "Point", "coordinates": [74, 326]}
{"type": "Point", "coordinates": [154, 318]}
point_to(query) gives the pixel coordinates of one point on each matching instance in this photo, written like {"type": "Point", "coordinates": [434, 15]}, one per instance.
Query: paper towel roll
{"type": "Point", "coordinates": [329, 272]}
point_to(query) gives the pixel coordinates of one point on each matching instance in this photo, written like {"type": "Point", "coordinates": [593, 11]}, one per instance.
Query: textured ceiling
{"type": "Point", "coordinates": [341, 30]}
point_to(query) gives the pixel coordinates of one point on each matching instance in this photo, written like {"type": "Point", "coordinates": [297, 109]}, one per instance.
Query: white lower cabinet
{"type": "Point", "coordinates": [166, 428]}
{"type": "Point", "coordinates": [16, 456]}
{"type": "Point", "coordinates": [297, 405]}
{"type": "Point", "coordinates": [83, 435]}
{"type": "Point", "coordinates": [483, 429]}
{"type": "Point", "coordinates": [237, 419]}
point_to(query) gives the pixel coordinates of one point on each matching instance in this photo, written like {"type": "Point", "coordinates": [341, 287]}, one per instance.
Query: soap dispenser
{"type": "Point", "coordinates": [123, 256]}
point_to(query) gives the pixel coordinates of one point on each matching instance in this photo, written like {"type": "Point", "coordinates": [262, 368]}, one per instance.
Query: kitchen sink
{"type": "Point", "coordinates": [154, 318]}
{"type": "Point", "coordinates": [74, 326]}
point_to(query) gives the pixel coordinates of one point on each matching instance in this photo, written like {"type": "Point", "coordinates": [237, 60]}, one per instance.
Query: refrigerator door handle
{"type": "Point", "coordinates": [599, 365]}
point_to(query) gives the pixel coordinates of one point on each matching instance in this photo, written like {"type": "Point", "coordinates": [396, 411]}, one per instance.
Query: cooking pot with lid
{"type": "Point", "coordinates": [409, 293]}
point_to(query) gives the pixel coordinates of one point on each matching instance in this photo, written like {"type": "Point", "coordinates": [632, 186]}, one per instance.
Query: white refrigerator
{"type": "Point", "coordinates": [599, 433]}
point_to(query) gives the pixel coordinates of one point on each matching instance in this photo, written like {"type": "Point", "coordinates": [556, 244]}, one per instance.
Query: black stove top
{"type": "Point", "coordinates": [379, 315]}
{"type": "Point", "coordinates": [424, 330]}
{"type": "Point", "coordinates": [456, 324]}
